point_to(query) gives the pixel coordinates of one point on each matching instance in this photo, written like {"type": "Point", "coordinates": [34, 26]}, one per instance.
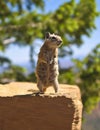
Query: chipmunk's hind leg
{"type": "Point", "coordinates": [41, 88]}
{"type": "Point", "coordinates": [40, 85]}
{"type": "Point", "coordinates": [56, 85]}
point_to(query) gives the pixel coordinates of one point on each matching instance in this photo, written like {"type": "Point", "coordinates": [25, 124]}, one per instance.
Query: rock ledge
{"type": "Point", "coordinates": [20, 109]}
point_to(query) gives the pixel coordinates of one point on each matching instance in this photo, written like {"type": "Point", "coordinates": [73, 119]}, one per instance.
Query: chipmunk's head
{"type": "Point", "coordinates": [53, 40]}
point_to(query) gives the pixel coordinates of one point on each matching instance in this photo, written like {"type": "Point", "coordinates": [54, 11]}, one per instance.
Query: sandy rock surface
{"type": "Point", "coordinates": [25, 88]}
{"type": "Point", "coordinates": [21, 109]}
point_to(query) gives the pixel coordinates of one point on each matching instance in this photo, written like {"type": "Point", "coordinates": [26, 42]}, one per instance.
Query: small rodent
{"type": "Point", "coordinates": [47, 64]}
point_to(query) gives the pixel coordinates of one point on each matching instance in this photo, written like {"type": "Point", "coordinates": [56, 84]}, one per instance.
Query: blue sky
{"type": "Point", "coordinates": [21, 55]}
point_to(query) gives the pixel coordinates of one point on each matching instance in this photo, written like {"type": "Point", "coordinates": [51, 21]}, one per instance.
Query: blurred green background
{"type": "Point", "coordinates": [23, 23]}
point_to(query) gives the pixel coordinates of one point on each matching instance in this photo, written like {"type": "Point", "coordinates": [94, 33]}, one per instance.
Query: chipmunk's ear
{"type": "Point", "coordinates": [47, 35]}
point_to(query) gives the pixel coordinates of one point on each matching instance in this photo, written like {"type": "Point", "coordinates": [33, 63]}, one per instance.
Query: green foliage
{"type": "Point", "coordinates": [13, 73]}
{"type": "Point", "coordinates": [4, 60]}
{"type": "Point", "coordinates": [86, 74]}
{"type": "Point", "coordinates": [31, 77]}
{"type": "Point", "coordinates": [71, 20]}
{"type": "Point", "coordinates": [67, 76]}
{"type": "Point", "coordinates": [89, 75]}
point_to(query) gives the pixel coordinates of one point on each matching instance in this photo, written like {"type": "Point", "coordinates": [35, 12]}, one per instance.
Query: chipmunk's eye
{"type": "Point", "coordinates": [53, 38]}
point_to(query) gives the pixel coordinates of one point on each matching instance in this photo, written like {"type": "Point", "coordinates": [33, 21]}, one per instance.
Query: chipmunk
{"type": "Point", "coordinates": [47, 64]}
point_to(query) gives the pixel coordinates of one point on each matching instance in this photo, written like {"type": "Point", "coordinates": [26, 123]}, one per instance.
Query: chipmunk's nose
{"type": "Point", "coordinates": [59, 42]}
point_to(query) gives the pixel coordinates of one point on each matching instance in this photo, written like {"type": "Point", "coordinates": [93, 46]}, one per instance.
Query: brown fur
{"type": "Point", "coordinates": [47, 65]}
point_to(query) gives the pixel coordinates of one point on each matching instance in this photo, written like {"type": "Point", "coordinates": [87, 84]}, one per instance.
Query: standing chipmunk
{"type": "Point", "coordinates": [47, 64]}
